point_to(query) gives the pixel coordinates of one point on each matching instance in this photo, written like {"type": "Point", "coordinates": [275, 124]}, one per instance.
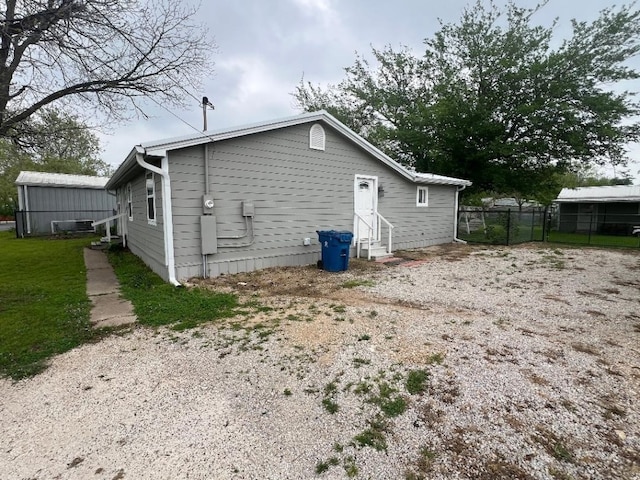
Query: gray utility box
{"type": "Point", "coordinates": [208, 234]}
{"type": "Point", "coordinates": [248, 210]}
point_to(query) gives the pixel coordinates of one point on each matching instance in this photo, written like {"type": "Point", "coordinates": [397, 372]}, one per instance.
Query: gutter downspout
{"type": "Point", "coordinates": [26, 207]}
{"type": "Point", "coordinates": [455, 216]}
{"type": "Point", "coordinates": [163, 171]}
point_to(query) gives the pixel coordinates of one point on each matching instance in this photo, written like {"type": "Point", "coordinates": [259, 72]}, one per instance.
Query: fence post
{"type": "Point", "coordinates": [19, 223]}
{"type": "Point", "coordinates": [533, 222]}
{"type": "Point", "coordinates": [508, 225]}
{"type": "Point", "coordinates": [590, 226]}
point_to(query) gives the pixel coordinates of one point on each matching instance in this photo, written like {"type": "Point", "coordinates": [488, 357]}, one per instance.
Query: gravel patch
{"type": "Point", "coordinates": [530, 358]}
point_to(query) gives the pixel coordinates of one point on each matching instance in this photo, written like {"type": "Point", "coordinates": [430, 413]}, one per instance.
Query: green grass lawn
{"type": "Point", "coordinates": [527, 234]}
{"type": "Point", "coordinates": [595, 240]}
{"type": "Point", "coordinates": [158, 303]}
{"type": "Point", "coordinates": [44, 309]}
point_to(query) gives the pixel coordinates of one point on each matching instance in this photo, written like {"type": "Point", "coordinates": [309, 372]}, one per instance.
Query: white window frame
{"type": "Point", "coordinates": [129, 202]}
{"type": "Point", "coordinates": [317, 137]}
{"type": "Point", "coordinates": [424, 201]}
{"type": "Point", "coordinates": [151, 181]}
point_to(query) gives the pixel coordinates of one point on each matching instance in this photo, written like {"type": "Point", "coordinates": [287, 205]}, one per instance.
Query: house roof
{"type": "Point", "coordinates": [159, 148]}
{"type": "Point", "coordinates": [617, 193]}
{"type": "Point", "coordinates": [60, 180]}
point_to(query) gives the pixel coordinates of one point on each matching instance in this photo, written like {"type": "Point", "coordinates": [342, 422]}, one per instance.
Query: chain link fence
{"type": "Point", "coordinates": [501, 226]}
{"type": "Point", "coordinates": [513, 226]}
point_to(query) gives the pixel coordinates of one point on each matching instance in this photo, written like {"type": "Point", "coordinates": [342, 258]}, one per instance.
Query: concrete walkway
{"type": "Point", "coordinates": [109, 309]}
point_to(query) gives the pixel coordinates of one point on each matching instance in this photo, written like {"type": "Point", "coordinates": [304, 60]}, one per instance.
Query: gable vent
{"type": "Point", "coordinates": [316, 137]}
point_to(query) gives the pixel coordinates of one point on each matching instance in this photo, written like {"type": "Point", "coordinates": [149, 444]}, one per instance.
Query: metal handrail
{"type": "Point", "coordinates": [390, 228]}
{"type": "Point", "coordinates": [108, 221]}
{"type": "Point", "coordinates": [357, 237]}
{"type": "Point", "coordinates": [370, 231]}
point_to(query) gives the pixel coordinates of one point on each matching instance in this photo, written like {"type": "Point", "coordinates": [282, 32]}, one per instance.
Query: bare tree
{"type": "Point", "coordinates": [97, 56]}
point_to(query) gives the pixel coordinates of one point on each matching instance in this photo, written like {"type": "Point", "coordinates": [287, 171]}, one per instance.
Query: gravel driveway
{"type": "Point", "coordinates": [469, 363]}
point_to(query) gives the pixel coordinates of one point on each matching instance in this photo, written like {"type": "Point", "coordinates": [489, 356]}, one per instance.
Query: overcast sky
{"type": "Point", "coordinates": [266, 46]}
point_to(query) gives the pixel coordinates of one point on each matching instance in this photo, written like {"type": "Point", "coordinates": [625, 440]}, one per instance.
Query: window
{"type": "Point", "coordinates": [422, 197]}
{"type": "Point", "coordinates": [129, 202]}
{"type": "Point", "coordinates": [316, 137]}
{"type": "Point", "coordinates": [151, 198]}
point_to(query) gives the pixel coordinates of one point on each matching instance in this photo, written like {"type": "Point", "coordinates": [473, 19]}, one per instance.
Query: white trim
{"type": "Point", "coordinates": [374, 189]}
{"type": "Point", "coordinates": [455, 216]}
{"type": "Point", "coordinates": [149, 179]}
{"type": "Point", "coordinates": [425, 201]}
{"type": "Point", "coordinates": [129, 195]}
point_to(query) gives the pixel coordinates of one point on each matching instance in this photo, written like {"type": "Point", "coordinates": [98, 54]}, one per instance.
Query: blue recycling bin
{"type": "Point", "coordinates": [335, 249]}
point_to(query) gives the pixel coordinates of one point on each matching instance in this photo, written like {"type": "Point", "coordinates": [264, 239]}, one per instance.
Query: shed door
{"type": "Point", "coordinates": [587, 215]}
{"type": "Point", "coordinates": [366, 205]}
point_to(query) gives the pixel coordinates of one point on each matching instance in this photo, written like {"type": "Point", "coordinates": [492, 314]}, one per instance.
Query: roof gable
{"type": "Point", "coordinates": [160, 148]}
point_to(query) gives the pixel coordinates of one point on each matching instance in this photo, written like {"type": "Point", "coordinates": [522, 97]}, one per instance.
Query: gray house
{"type": "Point", "coordinates": [54, 202]}
{"type": "Point", "coordinates": [609, 210]}
{"type": "Point", "coordinates": [246, 198]}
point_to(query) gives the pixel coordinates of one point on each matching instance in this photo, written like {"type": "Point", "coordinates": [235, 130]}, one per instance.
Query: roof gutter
{"type": "Point", "coordinates": [455, 215]}
{"type": "Point", "coordinates": [167, 223]}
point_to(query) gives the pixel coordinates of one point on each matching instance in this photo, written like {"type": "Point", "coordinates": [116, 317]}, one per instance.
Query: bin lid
{"type": "Point", "coordinates": [335, 233]}
{"type": "Point", "coordinates": [345, 237]}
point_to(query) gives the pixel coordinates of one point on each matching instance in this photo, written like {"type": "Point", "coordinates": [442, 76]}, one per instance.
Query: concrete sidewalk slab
{"type": "Point", "coordinates": [109, 308]}
{"type": "Point", "coordinates": [101, 282]}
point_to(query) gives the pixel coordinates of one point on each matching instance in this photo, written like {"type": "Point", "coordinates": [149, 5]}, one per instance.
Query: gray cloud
{"type": "Point", "coordinates": [264, 48]}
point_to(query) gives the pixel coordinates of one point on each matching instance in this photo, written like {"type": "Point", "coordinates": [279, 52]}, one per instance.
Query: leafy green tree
{"type": "Point", "coordinates": [492, 100]}
{"type": "Point", "coordinates": [51, 141]}
{"type": "Point", "coordinates": [12, 161]}
{"type": "Point", "coordinates": [589, 177]}
{"type": "Point", "coordinates": [59, 142]}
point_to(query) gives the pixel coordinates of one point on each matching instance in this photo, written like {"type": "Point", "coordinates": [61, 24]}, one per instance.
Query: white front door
{"type": "Point", "coordinates": [366, 206]}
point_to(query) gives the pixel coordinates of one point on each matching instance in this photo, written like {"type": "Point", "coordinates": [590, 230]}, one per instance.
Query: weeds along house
{"type": "Point", "coordinates": [251, 197]}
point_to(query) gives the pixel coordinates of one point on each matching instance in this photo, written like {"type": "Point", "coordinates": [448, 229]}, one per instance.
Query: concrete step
{"type": "Point", "coordinates": [114, 239]}
{"type": "Point", "coordinates": [104, 243]}
{"type": "Point", "coordinates": [99, 245]}
{"type": "Point", "coordinates": [377, 252]}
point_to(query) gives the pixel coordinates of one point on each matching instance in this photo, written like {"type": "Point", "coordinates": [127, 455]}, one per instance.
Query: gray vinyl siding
{"type": "Point", "coordinates": [46, 204]}
{"type": "Point", "coordinates": [145, 240]}
{"type": "Point", "coordinates": [417, 227]}
{"type": "Point", "coordinates": [296, 191]}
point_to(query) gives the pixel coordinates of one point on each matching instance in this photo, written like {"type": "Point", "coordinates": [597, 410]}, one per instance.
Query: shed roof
{"type": "Point", "coordinates": [60, 180]}
{"type": "Point", "coordinates": [159, 148]}
{"type": "Point", "coordinates": [616, 193]}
